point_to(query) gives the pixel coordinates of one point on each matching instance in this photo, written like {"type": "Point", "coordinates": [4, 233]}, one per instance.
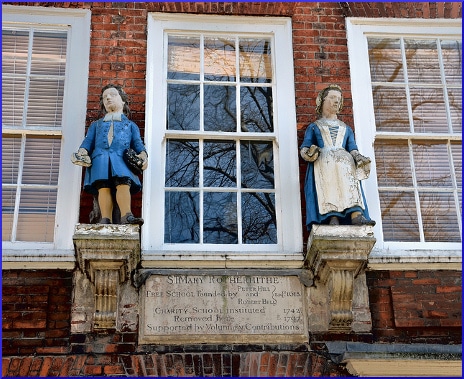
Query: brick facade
{"type": "Point", "coordinates": [406, 306]}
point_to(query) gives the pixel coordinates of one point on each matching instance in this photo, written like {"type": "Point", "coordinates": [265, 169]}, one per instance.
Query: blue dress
{"type": "Point", "coordinates": [108, 159]}
{"type": "Point", "coordinates": [313, 136]}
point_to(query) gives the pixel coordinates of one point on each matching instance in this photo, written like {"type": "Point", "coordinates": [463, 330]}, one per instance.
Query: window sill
{"type": "Point", "coordinates": [38, 259]}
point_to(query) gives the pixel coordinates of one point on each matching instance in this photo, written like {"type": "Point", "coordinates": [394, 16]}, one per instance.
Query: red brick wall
{"type": "Point", "coordinates": [416, 306]}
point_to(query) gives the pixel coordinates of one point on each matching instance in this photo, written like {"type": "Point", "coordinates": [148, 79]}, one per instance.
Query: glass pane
{"type": "Point", "coordinates": [257, 164]}
{"type": "Point", "coordinates": [452, 61]}
{"type": "Point", "coordinates": [219, 56]}
{"type": "Point", "coordinates": [8, 203]}
{"type": "Point", "coordinates": [42, 160]}
{"type": "Point", "coordinates": [455, 104]}
{"type": "Point", "coordinates": [183, 57]}
{"type": "Point", "coordinates": [49, 53]}
{"type": "Point", "coordinates": [456, 151]}
{"type": "Point", "coordinates": [181, 223]}
{"type": "Point", "coordinates": [257, 109]}
{"type": "Point", "coordinates": [393, 163]}
{"type": "Point", "coordinates": [219, 168]}
{"type": "Point", "coordinates": [432, 164]}
{"type": "Point", "coordinates": [399, 216]}
{"type": "Point", "coordinates": [220, 110]}
{"type": "Point", "coordinates": [13, 90]}
{"type": "Point", "coordinates": [11, 151]}
{"type": "Point", "coordinates": [422, 61]}
{"type": "Point", "coordinates": [45, 105]}
{"type": "Point", "coordinates": [36, 221]}
{"type": "Point", "coordinates": [255, 60]}
{"type": "Point", "coordinates": [391, 109]}
{"type": "Point", "coordinates": [385, 60]}
{"type": "Point", "coordinates": [439, 217]}
{"type": "Point", "coordinates": [428, 110]}
{"type": "Point", "coordinates": [182, 163]}
{"type": "Point", "coordinates": [259, 218]}
{"type": "Point", "coordinates": [15, 45]}
{"type": "Point", "coordinates": [183, 107]}
{"type": "Point", "coordinates": [220, 218]}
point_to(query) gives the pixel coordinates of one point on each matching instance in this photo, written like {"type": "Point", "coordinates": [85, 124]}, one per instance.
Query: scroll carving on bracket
{"type": "Point", "coordinates": [337, 255]}
{"type": "Point", "coordinates": [106, 254]}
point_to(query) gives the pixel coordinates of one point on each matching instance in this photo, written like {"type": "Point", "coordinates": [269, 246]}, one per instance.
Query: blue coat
{"type": "Point", "coordinates": [108, 160]}
{"type": "Point", "coordinates": [313, 137]}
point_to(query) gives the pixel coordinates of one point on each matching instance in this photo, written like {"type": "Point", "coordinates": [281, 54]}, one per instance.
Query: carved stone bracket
{"type": "Point", "coordinates": [106, 254]}
{"type": "Point", "coordinates": [337, 256]}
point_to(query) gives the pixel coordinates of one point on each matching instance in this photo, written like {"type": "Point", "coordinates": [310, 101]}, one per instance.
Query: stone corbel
{"type": "Point", "coordinates": [106, 254]}
{"type": "Point", "coordinates": [337, 255]}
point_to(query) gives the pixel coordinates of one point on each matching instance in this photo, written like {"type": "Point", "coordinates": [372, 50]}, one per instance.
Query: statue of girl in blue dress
{"type": "Point", "coordinates": [333, 190]}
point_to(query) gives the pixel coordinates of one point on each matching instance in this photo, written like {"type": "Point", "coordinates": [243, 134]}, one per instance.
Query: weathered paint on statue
{"type": "Point", "coordinates": [102, 151]}
{"type": "Point", "coordinates": [333, 190]}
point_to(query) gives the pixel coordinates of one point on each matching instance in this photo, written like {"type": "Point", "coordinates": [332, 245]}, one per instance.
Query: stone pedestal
{"type": "Point", "coordinates": [106, 256]}
{"type": "Point", "coordinates": [337, 256]}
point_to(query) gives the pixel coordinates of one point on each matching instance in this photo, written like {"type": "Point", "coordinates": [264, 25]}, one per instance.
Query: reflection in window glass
{"type": "Point", "coordinates": [219, 185]}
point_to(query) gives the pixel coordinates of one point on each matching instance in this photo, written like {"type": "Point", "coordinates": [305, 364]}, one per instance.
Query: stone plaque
{"type": "Point", "coordinates": [222, 309]}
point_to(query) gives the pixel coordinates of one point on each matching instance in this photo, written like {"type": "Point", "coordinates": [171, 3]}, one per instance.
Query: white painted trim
{"type": "Point", "coordinates": [288, 204]}
{"type": "Point", "coordinates": [77, 22]}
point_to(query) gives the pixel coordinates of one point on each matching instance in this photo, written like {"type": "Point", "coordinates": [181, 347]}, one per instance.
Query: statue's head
{"type": "Point", "coordinates": [124, 97]}
{"type": "Point", "coordinates": [323, 94]}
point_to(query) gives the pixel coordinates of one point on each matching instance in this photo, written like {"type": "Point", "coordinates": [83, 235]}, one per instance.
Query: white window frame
{"type": "Point", "coordinates": [358, 30]}
{"type": "Point", "coordinates": [60, 252]}
{"type": "Point", "coordinates": [288, 251]}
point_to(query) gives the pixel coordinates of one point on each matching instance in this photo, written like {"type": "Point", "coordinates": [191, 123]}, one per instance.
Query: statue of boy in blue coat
{"type": "Point", "coordinates": [333, 190]}
{"type": "Point", "coordinates": [101, 153]}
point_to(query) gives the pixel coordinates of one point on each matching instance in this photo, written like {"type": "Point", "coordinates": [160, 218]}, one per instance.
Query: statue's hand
{"type": "Point", "coordinates": [360, 159]}
{"type": "Point", "coordinates": [310, 154]}
{"type": "Point", "coordinates": [144, 157]}
{"type": "Point", "coordinates": [81, 158]}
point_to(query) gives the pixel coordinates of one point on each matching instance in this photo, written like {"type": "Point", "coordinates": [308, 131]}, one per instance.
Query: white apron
{"type": "Point", "coordinates": [335, 174]}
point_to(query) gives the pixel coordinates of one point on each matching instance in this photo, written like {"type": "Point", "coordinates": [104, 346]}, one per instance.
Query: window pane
{"type": "Point", "coordinates": [219, 56]}
{"type": "Point", "coordinates": [220, 111]}
{"type": "Point", "coordinates": [13, 90]}
{"type": "Point", "coordinates": [422, 61]}
{"type": "Point", "coordinates": [37, 210]}
{"type": "Point", "coordinates": [455, 104]}
{"type": "Point", "coordinates": [428, 110]}
{"type": "Point", "coordinates": [181, 222]}
{"type": "Point", "coordinates": [385, 60]}
{"type": "Point", "coordinates": [432, 165]}
{"type": "Point", "coordinates": [452, 60]}
{"type": "Point", "coordinates": [183, 107]}
{"type": "Point", "coordinates": [393, 163]}
{"type": "Point", "coordinates": [439, 217]}
{"type": "Point", "coordinates": [11, 151]}
{"type": "Point", "coordinates": [399, 216]}
{"type": "Point", "coordinates": [220, 218]}
{"type": "Point", "coordinates": [259, 218]}
{"type": "Point", "coordinates": [183, 57]}
{"type": "Point", "coordinates": [257, 163]}
{"type": "Point", "coordinates": [41, 160]}
{"type": "Point", "coordinates": [49, 53]}
{"type": "Point", "coordinates": [255, 60]}
{"type": "Point", "coordinates": [456, 151]}
{"type": "Point", "coordinates": [391, 109]}
{"type": "Point", "coordinates": [182, 163]}
{"type": "Point", "coordinates": [15, 46]}
{"type": "Point", "coordinates": [219, 162]}
{"type": "Point", "coordinates": [45, 105]}
{"type": "Point", "coordinates": [257, 109]}
{"type": "Point", "coordinates": [8, 203]}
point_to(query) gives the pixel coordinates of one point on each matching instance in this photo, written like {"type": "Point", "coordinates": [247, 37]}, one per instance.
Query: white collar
{"type": "Point", "coordinates": [113, 116]}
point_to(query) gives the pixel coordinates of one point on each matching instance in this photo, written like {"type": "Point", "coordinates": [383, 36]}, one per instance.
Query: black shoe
{"type": "Point", "coordinates": [105, 220]}
{"type": "Point", "coordinates": [334, 221]}
{"type": "Point", "coordinates": [361, 220]}
{"type": "Point", "coordinates": [129, 218]}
